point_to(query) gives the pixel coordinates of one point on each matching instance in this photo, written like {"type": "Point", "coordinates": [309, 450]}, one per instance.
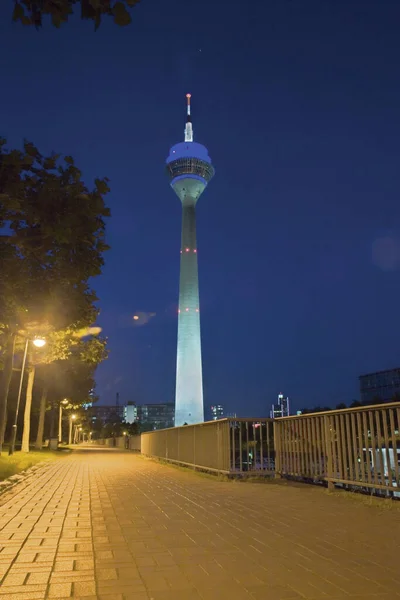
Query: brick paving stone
{"type": "Point", "coordinates": [58, 590]}
{"type": "Point", "coordinates": [111, 526]}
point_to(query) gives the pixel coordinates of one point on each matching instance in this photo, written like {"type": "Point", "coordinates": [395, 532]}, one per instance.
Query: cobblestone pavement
{"type": "Point", "coordinates": [111, 525]}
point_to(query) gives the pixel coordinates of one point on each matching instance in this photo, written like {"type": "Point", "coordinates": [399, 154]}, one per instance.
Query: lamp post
{"type": "Point", "coordinates": [65, 401]}
{"type": "Point", "coordinates": [71, 420]}
{"type": "Point", "coordinates": [39, 343]}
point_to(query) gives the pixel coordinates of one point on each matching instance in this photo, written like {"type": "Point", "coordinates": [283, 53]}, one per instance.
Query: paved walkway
{"type": "Point", "coordinates": [111, 525]}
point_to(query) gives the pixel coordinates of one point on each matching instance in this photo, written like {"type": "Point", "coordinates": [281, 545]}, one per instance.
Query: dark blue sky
{"type": "Point", "coordinates": [299, 232]}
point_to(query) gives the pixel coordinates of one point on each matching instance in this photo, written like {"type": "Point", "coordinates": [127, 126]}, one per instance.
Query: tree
{"type": "Point", "coordinates": [131, 428]}
{"type": "Point", "coordinates": [53, 245]}
{"type": "Point", "coordinates": [27, 411]}
{"type": "Point", "coordinates": [31, 12]}
{"type": "Point", "coordinates": [316, 409]}
{"type": "Point", "coordinates": [42, 414]}
{"type": "Point", "coordinates": [72, 379]}
{"type": "Point", "coordinates": [63, 346]}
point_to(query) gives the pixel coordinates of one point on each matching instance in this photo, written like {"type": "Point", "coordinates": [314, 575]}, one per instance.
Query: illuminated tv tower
{"type": "Point", "coordinates": [189, 168]}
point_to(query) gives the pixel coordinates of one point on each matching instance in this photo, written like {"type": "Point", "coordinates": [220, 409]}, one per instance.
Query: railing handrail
{"type": "Point", "coordinates": [302, 416]}
{"type": "Point", "coordinates": [202, 423]}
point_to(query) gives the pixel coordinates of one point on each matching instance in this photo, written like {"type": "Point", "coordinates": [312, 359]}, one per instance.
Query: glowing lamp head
{"type": "Point", "coordinates": [73, 417]}
{"type": "Point", "coordinates": [136, 318]}
{"type": "Point", "coordinates": [39, 342]}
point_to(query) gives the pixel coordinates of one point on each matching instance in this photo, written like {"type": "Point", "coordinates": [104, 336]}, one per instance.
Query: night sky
{"type": "Point", "coordinates": [298, 102]}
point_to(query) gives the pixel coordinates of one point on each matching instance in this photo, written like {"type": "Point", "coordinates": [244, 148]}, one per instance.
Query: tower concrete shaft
{"type": "Point", "coordinates": [190, 169]}
{"type": "Point", "coordinates": [189, 406]}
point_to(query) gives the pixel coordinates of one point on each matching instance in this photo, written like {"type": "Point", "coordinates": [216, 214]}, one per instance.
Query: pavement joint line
{"type": "Point", "coordinates": [12, 489]}
{"type": "Point", "coordinates": [171, 535]}
{"type": "Point", "coordinates": [27, 537]}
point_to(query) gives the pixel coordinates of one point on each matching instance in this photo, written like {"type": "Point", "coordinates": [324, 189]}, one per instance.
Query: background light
{"type": "Point", "coordinates": [39, 342]}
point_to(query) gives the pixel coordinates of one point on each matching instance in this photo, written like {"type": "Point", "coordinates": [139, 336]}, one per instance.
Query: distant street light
{"type": "Point", "coordinates": [39, 343]}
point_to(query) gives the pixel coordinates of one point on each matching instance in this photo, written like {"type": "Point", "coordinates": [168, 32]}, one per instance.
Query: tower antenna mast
{"type": "Point", "coordinates": [188, 127]}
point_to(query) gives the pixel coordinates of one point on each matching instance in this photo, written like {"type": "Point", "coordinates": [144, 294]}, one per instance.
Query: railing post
{"type": "Point", "coordinates": [328, 452]}
{"type": "Point", "coordinates": [277, 448]}
{"type": "Point", "coordinates": [194, 447]}
{"type": "Point", "coordinates": [218, 447]}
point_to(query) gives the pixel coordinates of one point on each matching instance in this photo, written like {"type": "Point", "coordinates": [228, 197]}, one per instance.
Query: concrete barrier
{"type": "Point", "coordinates": [127, 442]}
{"type": "Point", "coordinates": [135, 443]}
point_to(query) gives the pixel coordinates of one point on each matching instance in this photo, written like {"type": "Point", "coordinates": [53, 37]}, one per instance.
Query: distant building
{"type": "Point", "coordinates": [156, 416]}
{"type": "Point", "coordinates": [150, 416]}
{"type": "Point", "coordinates": [281, 409]}
{"type": "Point", "coordinates": [106, 413]}
{"type": "Point", "coordinates": [130, 413]}
{"type": "Point", "coordinates": [382, 384]}
{"type": "Point", "coordinates": [217, 412]}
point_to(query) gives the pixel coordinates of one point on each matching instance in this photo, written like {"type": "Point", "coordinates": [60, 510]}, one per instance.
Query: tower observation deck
{"type": "Point", "coordinates": [189, 169]}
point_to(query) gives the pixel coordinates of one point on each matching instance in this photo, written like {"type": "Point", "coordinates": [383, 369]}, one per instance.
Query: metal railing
{"type": "Point", "coordinates": [351, 448]}
{"type": "Point", "coordinates": [130, 442]}
{"type": "Point", "coordinates": [251, 445]}
{"type": "Point", "coordinates": [202, 446]}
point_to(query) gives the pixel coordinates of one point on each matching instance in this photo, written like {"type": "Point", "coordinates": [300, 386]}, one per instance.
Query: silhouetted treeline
{"type": "Point", "coordinates": [354, 404]}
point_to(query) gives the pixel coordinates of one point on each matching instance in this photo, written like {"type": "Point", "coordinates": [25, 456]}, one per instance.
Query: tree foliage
{"type": "Point", "coordinates": [354, 404]}
{"type": "Point", "coordinates": [74, 378]}
{"type": "Point", "coordinates": [32, 12]}
{"type": "Point", "coordinates": [52, 244]}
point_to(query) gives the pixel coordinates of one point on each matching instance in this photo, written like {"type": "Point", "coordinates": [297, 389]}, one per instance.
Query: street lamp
{"type": "Point", "coordinates": [39, 343]}
{"type": "Point", "coordinates": [65, 401]}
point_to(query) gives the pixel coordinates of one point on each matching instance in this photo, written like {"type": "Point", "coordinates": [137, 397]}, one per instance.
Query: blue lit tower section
{"type": "Point", "coordinates": [189, 169]}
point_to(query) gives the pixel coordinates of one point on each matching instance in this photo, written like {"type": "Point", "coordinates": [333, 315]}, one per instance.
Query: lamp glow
{"type": "Point", "coordinates": [39, 342]}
